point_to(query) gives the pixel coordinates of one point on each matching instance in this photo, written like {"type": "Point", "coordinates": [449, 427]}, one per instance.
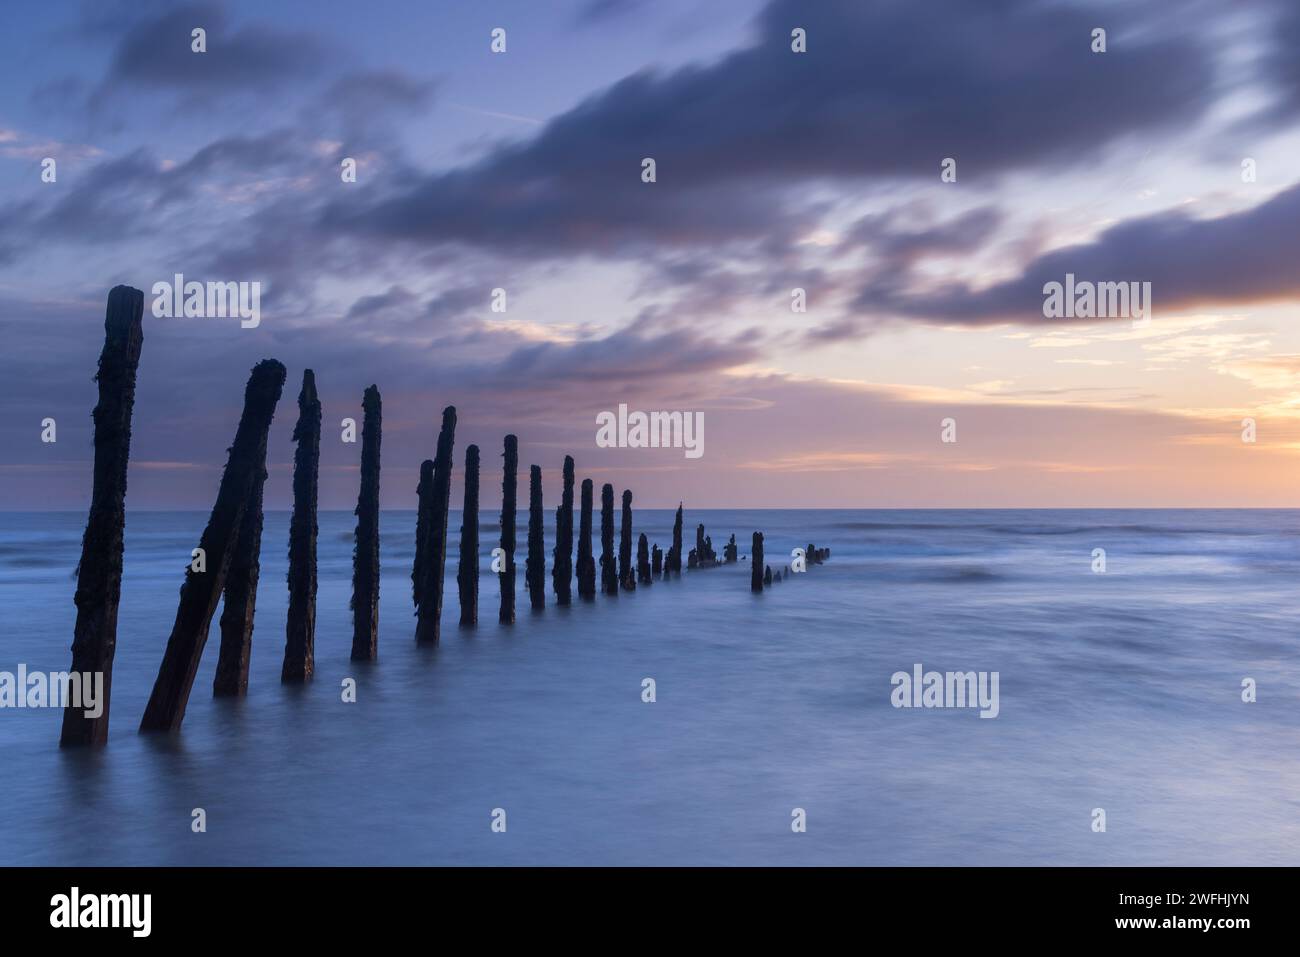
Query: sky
{"type": "Point", "coordinates": [775, 170]}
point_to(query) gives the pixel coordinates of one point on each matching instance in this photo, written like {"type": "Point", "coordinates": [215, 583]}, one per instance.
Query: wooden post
{"type": "Point", "coordinates": [626, 572]}
{"type": "Point", "coordinates": [467, 573]}
{"type": "Point", "coordinates": [300, 629]}
{"type": "Point", "coordinates": [562, 572]}
{"type": "Point", "coordinates": [608, 567]}
{"type": "Point", "coordinates": [429, 615]}
{"type": "Point", "coordinates": [202, 589]}
{"type": "Point", "coordinates": [756, 563]}
{"type": "Point", "coordinates": [586, 564]}
{"type": "Point", "coordinates": [240, 598]}
{"type": "Point", "coordinates": [509, 494]}
{"type": "Point", "coordinates": [643, 560]}
{"type": "Point", "coordinates": [767, 576]}
{"type": "Point", "coordinates": [657, 561]}
{"type": "Point", "coordinates": [99, 574]}
{"type": "Point", "coordinates": [535, 566]}
{"type": "Point", "coordinates": [674, 561]}
{"type": "Point", "coordinates": [423, 519]}
{"type": "Point", "coordinates": [365, 560]}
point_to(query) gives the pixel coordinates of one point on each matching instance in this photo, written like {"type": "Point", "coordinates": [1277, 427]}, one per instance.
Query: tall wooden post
{"type": "Point", "coordinates": [756, 563]}
{"type": "Point", "coordinates": [300, 629]}
{"type": "Point", "coordinates": [423, 519]}
{"type": "Point", "coordinates": [535, 567]}
{"type": "Point", "coordinates": [643, 560]}
{"type": "Point", "coordinates": [509, 497]}
{"type": "Point", "coordinates": [467, 573]}
{"type": "Point", "coordinates": [99, 574]}
{"type": "Point", "coordinates": [562, 572]}
{"type": "Point", "coordinates": [202, 589]}
{"type": "Point", "coordinates": [240, 598]}
{"type": "Point", "coordinates": [626, 571]}
{"type": "Point", "coordinates": [674, 561]}
{"type": "Point", "coordinates": [586, 564]}
{"type": "Point", "coordinates": [365, 561]}
{"type": "Point", "coordinates": [429, 615]}
{"type": "Point", "coordinates": [608, 565]}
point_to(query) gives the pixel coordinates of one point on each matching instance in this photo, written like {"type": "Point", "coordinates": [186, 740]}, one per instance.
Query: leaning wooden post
{"type": "Point", "coordinates": [509, 495]}
{"type": "Point", "coordinates": [674, 561]}
{"type": "Point", "coordinates": [204, 580]}
{"type": "Point", "coordinates": [562, 572]}
{"type": "Point", "coordinates": [300, 629]}
{"type": "Point", "coordinates": [99, 575]}
{"type": "Point", "coordinates": [643, 560]}
{"type": "Point", "coordinates": [626, 571]}
{"type": "Point", "coordinates": [240, 599]}
{"type": "Point", "coordinates": [608, 567]}
{"type": "Point", "coordinates": [423, 519]}
{"type": "Point", "coordinates": [535, 567]}
{"type": "Point", "coordinates": [586, 564]}
{"type": "Point", "coordinates": [467, 573]}
{"type": "Point", "coordinates": [429, 614]}
{"type": "Point", "coordinates": [365, 561]}
{"type": "Point", "coordinates": [756, 563]}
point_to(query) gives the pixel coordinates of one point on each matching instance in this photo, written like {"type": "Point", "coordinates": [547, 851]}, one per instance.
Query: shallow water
{"type": "Point", "coordinates": [1119, 690]}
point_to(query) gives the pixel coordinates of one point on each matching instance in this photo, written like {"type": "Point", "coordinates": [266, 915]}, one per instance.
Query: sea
{"type": "Point", "coordinates": [772, 738]}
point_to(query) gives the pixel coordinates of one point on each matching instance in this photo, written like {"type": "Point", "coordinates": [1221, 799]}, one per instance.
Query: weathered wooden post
{"type": "Point", "coordinates": [626, 572]}
{"type": "Point", "coordinates": [674, 561]}
{"type": "Point", "coordinates": [608, 567]}
{"type": "Point", "coordinates": [729, 551]}
{"type": "Point", "coordinates": [429, 615]}
{"type": "Point", "coordinates": [586, 564]}
{"type": "Point", "coordinates": [240, 598]}
{"type": "Point", "coordinates": [300, 629]}
{"type": "Point", "coordinates": [562, 573]}
{"type": "Point", "coordinates": [467, 573]}
{"type": "Point", "coordinates": [202, 589]}
{"type": "Point", "coordinates": [535, 565]}
{"type": "Point", "coordinates": [643, 560]}
{"type": "Point", "coordinates": [509, 495]}
{"type": "Point", "coordinates": [701, 551]}
{"type": "Point", "coordinates": [365, 561]}
{"type": "Point", "coordinates": [99, 574]}
{"type": "Point", "coordinates": [423, 519]}
{"type": "Point", "coordinates": [767, 576]}
{"type": "Point", "coordinates": [756, 563]}
{"type": "Point", "coordinates": [657, 561]}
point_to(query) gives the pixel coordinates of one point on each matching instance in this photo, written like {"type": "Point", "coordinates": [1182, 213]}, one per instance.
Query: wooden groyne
{"type": "Point", "coordinates": [643, 560]}
{"type": "Point", "coordinates": [202, 588]}
{"type": "Point", "coordinates": [467, 571]}
{"type": "Point", "coordinates": [535, 566]}
{"type": "Point", "coordinates": [365, 559]}
{"type": "Point", "coordinates": [300, 627]}
{"type": "Point", "coordinates": [99, 573]}
{"type": "Point", "coordinates": [562, 568]}
{"type": "Point", "coordinates": [626, 573]}
{"type": "Point", "coordinates": [608, 567]}
{"type": "Point", "coordinates": [239, 600]}
{"type": "Point", "coordinates": [429, 613]}
{"type": "Point", "coordinates": [423, 520]}
{"type": "Point", "coordinates": [586, 564]}
{"type": "Point", "coordinates": [673, 563]}
{"type": "Point", "coordinates": [509, 500]}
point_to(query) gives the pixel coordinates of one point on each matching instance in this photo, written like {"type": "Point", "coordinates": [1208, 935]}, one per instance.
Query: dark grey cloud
{"type": "Point", "coordinates": [155, 54]}
{"type": "Point", "coordinates": [887, 90]}
{"type": "Point", "coordinates": [1242, 257]}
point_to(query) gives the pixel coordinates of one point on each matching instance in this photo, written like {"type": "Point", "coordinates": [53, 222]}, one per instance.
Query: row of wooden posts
{"type": "Point", "coordinates": [231, 542]}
